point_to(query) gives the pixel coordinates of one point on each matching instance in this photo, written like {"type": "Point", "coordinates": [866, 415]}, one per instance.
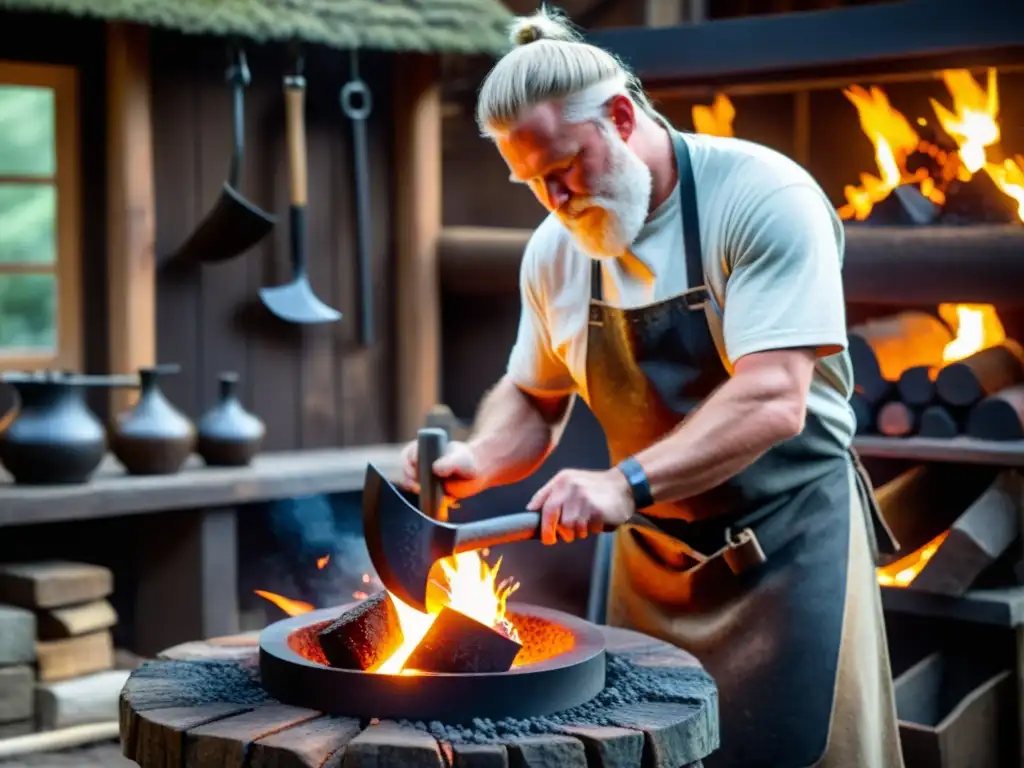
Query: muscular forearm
{"type": "Point", "coordinates": [514, 433]}
{"type": "Point", "coordinates": [732, 428]}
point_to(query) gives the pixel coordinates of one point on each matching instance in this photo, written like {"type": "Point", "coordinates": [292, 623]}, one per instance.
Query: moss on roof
{"type": "Point", "coordinates": [441, 26]}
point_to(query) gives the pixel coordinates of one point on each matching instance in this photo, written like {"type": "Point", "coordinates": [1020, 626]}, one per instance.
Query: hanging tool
{"type": "Point", "coordinates": [357, 103]}
{"type": "Point", "coordinates": [295, 302]}
{"type": "Point", "coordinates": [233, 225]}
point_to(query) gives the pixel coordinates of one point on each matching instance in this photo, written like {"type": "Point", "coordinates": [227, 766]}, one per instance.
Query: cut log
{"type": "Point", "coordinates": [999, 416]}
{"type": "Point", "coordinates": [984, 373]}
{"type": "Point", "coordinates": [916, 385]}
{"type": "Point", "coordinates": [15, 694]}
{"type": "Point", "coordinates": [76, 656]}
{"type": "Point", "coordinates": [17, 635]}
{"type": "Point", "coordinates": [896, 419]}
{"type": "Point", "coordinates": [169, 721]}
{"type": "Point", "coordinates": [938, 421]}
{"type": "Point", "coordinates": [53, 584]}
{"type": "Point", "coordinates": [863, 414]}
{"type": "Point", "coordinates": [456, 643]}
{"type": "Point", "coordinates": [88, 699]}
{"type": "Point", "coordinates": [882, 349]}
{"type": "Point", "coordinates": [926, 500]}
{"type": "Point", "coordinates": [74, 620]}
{"type": "Point", "coordinates": [364, 636]}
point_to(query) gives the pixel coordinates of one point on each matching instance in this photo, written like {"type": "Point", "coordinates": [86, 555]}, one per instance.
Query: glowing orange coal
{"type": "Point", "coordinates": [465, 583]}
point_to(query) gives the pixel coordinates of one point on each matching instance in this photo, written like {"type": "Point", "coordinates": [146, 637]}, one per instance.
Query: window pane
{"type": "Point", "coordinates": [28, 223]}
{"type": "Point", "coordinates": [27, 120]}
{"type": "Point", "coordinates": [28, 317]}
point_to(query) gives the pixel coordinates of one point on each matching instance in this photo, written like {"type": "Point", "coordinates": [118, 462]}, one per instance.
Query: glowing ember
{"type": "Point", "coordinates": [470, 586]}
{"type": "Point", "coordinates": [972, 124]}
{"type": "Point", "coordinates": [977, 327]}
{"type": "Point", "coordinates": [322, 562]}
{"type": "Point", "coordinates": [902, 572]}
{"type": "Point", "coordinates": [715, 120]}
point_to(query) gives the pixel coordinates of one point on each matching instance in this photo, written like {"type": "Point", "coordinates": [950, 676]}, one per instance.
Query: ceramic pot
{"type": "Point", "coordinates": [153, 438]}
{"type": "Point", "coordinates": [229, 436]}
{"type": "Point", "coordinates": [53, 438]}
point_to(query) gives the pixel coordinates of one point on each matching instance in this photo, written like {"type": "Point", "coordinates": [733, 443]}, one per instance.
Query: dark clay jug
{"type": "Point", "coordinates": [229, 436]}
{"type": "Point", "coordinates": [53, 437]}
{"type": "Point", "coordinates": [153, 438]}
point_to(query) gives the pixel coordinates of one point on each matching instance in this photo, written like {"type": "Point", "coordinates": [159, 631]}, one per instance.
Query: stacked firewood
{"type": "Point", "coordinates": [903, 386]}
{"type": "Point", "coordinates": [56, 647]}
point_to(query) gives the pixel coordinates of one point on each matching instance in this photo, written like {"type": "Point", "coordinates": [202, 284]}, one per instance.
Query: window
{"type": "Point", "coordinates": [39, 218]}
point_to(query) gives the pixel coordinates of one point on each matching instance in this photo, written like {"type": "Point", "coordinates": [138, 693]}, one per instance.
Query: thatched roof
{"type": "Point", "coordinates": [442, 26]}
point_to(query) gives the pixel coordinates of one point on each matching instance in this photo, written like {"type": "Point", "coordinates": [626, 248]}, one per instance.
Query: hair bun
{"type": "Point", "coordinates": [545, 24]}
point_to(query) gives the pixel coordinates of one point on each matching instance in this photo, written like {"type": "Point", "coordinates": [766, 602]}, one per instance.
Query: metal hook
{"type": "Point", "coordinates": [356, 99]}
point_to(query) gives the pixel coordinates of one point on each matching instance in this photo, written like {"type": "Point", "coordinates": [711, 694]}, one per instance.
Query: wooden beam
{"type": "Point", "coordinates": [670, 13]}
{"type": "Point", "coordinates": [418, 226]}
{"type": "Point", "coordinates": [131, 206]}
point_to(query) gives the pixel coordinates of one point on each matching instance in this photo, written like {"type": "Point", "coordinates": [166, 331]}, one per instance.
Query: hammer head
{"type": "Point", "coordinates": [403, 543]}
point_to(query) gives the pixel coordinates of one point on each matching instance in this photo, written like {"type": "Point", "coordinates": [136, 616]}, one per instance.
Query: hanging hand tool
{"type": "Point", "coordinates": [295, 302]}
{"type": "Point", "coordinates": [233, 225]}
{"type": "Point", "coordinates": [357, 103]}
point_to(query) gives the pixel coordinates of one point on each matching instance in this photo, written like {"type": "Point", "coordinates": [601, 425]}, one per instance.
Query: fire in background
{"type": "Point", "coordinates": [913, 152]}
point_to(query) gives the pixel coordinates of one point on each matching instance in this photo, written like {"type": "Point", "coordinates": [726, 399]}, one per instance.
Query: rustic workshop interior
{"type": "Point", "coordinates": [244, 255]}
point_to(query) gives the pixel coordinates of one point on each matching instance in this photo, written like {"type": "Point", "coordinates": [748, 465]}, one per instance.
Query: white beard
{"type": "Point", "coordinates": [623, 194]}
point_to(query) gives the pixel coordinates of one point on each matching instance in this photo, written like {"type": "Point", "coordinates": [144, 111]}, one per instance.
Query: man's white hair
{"type": "Point", "coordinates": [551, 62]}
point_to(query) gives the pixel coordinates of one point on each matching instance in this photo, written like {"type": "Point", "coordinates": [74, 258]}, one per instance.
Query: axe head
{"type": "Point", "coordinates": [403, 543]}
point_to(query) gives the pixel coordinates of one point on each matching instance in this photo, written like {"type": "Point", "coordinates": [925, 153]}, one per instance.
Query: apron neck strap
{"type": "Point", "coordinates": [690, 221]}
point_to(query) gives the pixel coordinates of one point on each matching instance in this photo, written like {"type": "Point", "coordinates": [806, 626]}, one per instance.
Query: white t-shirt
{"type": "Point", "coordinates": [772, 253]}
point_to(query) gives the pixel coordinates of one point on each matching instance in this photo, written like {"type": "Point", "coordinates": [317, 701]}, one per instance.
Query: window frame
{"type": "Point", "coordinates": [66, 268]}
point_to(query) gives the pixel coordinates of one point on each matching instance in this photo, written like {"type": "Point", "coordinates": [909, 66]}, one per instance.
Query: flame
{"type": "Point", "coordinates": [972, 124]}
{"type": "Point", "coordinates": [322, 562]}
{"type": "Point", "coordinates": [289, 606]}
{"type": "Point", "coordinates": [715, 120]}
{"type": "Point", "coordinates": [470, 586]}
{"type": "Point", "coordinates": [900, 573]}
{"type": "Point", "coordinates": [977, 327]}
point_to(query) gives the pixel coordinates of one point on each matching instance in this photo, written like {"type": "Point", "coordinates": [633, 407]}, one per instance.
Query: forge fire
{"type": "Point", "coordinates": [465, 629]}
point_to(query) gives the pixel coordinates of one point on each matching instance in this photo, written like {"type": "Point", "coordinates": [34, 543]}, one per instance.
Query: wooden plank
{"type": "Point", "coordinates": [476, 755]}
{"type": "Point", "coordinates": [271, 476]}
{"type": "Point", "coordinates": [52, 584]}
{"type": "Point", "coordinates": [609, 747]}
{"type": "Point", "coordinates": [964, 450]}
{"type": "Point", "coordinates": [241, 648]}
{"type": "Point", "coordinates": [157, 739]}
{"type": "Point", "coordinates": [74, 620]}
{"type": "Point", "coordinates": [17, 635]}
{"type": "Point", "coordinates": [188, 577]}
{"type": "Point", "coordinates": [388, 743]}
{"type": "Point", "coordinates": [544, 751]}
{"type": "Point", "coordinates": [674, 734]}
{"type": "Point", "coordinates": [226, 742]}
{"type": "Point", "coordinates": [131, 206]}
{"type": "Point", "coordinates": [308, 745]}
{"type": "Point", "coordinates": [88, 699]}
{"type": "Point", "coordinates": [418, 224]}
{"type": "Point", "coordinates": [76, 656]}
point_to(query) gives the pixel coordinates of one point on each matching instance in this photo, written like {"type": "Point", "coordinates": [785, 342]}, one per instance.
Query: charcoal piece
{"type": "Point", "coordinates": [978, 201]}
{"type": "Point", "coordinates": [905, 206]}
{"type": "Point", "coordinates": [364, 636]}
{"type": "Point", "coordinates": [999, 416]}
{"type": "Point", "coordinates": [896, 419]}
{"type": "Point", "coordinates": [966, 382]}
{"type": "Point", "coordinates": [456, 643]}
{"type": "Point", "coordinates": [916, 385]}
{"type": "Point", "coordinates": [939, 421]}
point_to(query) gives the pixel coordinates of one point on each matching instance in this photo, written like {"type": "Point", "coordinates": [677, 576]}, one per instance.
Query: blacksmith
{"type": "Point", "coordinates": [689, 289]}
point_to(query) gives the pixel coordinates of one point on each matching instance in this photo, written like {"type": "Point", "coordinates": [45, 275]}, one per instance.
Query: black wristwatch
{"type": "Point", "coordinates": [637, 479]}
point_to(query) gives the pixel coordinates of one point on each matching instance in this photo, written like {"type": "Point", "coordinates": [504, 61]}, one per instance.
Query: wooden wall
{"type": "Point", "coordinates": [313, 386]}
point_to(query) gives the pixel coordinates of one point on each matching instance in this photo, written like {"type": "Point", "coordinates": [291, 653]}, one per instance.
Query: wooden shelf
{"type": "Point", "coordinates": [997, 607]}
{"type": "Point", "coordinates": [111, 492]}
{"type": "Point", "coordinates": [963, 450]}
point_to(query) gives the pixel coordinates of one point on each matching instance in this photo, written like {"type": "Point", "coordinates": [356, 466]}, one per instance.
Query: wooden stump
{"type": "Point", "coordinates": [169, 721]}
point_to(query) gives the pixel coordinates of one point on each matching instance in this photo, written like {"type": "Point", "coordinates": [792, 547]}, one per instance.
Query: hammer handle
{"type": "Point", "coordinates": [521, 526]}
{"type": "Point", "coordinates": [431, 443]}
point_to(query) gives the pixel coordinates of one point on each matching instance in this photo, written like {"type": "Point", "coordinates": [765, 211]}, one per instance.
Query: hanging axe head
{"type": "Point", "coordinates": [403, 543]}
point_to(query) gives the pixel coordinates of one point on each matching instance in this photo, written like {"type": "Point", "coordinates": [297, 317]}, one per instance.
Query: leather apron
{"type": "Point", "coordinates": [754, 576]}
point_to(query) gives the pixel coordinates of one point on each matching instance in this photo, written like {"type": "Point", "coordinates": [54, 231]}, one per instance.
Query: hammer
{"type": "Point", "coordinates": [404, 543]}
